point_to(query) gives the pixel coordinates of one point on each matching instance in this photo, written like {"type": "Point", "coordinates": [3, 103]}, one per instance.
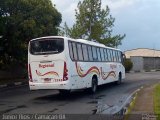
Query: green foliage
{"type": "Point", "coordinates": [22, 20]}
{"type": "Point", "coordinates": [128, 65]}
{"type": "Point", "coordinates": [93, 23]}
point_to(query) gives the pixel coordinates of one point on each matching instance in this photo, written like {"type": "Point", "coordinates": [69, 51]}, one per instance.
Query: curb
{"type": "Point", "coordinates": [123, 108]}
{"type": "Point", "coordinates": [9, 85]}
{"type": "Point", "coordinates": [120, 110]}
{"type": "Point", "coordinates": [131, 98]}
{"type": "Point", "coordinates": [143, 71]}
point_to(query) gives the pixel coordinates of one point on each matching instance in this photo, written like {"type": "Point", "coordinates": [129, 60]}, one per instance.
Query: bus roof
{"type": "Point", "coordinates": [47, 37]}
{"type": "Point", "coordinates": [78, 40]}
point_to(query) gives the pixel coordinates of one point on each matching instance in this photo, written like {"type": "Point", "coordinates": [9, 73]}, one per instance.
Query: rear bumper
{"type": "Point", "coordinates": [38, 86]}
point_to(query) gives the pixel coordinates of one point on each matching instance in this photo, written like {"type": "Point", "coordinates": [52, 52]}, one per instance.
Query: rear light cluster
{"type": "Point", "coordinates": [65, 73]}
{"type": "Point", "coordinates": [29, 73]}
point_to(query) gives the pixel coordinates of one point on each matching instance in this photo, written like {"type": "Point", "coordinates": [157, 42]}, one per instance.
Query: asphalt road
{"type": "Point", "coordinates": [22, 100]}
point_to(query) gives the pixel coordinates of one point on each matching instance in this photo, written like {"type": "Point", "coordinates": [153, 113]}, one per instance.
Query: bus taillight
{"type": "Point", "coordinates": [29, 73]}
{"type": "Point", "coordinates": [65, 73]}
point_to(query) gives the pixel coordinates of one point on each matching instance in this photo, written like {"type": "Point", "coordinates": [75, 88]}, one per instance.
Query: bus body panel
{"type": "Point", "coordinates": [103, 71]}
{"type": "Point", "coordinates": [48, 71]}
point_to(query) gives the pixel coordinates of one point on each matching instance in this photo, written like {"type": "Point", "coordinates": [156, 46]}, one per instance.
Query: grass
{"type": "Point", "coordinates": [157, 100]}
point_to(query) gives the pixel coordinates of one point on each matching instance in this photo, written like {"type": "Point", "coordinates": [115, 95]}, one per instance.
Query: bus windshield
{"type": "Point", "coordinates": [46, 46]}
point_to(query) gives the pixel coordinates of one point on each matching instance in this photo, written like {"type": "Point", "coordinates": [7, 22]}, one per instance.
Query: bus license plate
{"type": "Point", "coordinates": [47, 79]}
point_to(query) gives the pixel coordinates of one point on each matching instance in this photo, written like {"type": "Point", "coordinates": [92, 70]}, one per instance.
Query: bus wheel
{"type": "Point", "coordinates": [119, 79]}
{"type": "Point", "coordinates": [94, 85]}
{"type": "Point", "coordinates": [64, 92]}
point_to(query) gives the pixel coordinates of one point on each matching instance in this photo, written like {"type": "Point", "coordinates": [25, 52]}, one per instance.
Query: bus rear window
{"type": "Point", "coordinates": [46, 46]}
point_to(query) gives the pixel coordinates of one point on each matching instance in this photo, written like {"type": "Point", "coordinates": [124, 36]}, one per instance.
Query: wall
{"type": "Point", "coordinates": [151, 63]}
{"type": "Point", "coordinates": [137, 63]}
{"type": "Point", "coordinates": [145, 63]}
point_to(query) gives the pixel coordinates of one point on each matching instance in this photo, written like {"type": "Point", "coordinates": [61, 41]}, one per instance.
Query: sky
{"type": "Point", "coordinates": [138, 19]}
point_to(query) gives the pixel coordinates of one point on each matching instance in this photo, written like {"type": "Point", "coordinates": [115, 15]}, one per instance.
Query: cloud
{"type": "Point", "coordinates": [67, 9]}
{"type": "Point", "coordinates": [141, 25]}
{"type": "Point", "coordinates": [117, 5]}
{"type": "Point", "coordinates": [138, 19]}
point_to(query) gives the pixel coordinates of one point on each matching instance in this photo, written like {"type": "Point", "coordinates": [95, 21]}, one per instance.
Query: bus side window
{"type": "Point", "coordinates": [90, 53]}
{"type": "Point", "coordinates": [98, 53]}
{"type": "Point", "coordinates": [107, 55]}
{"type": "Point", "coordinates": [117, 56]}
{"type": "Point", "coordinates": [110, 52]}
{"type": "Point", "coordinates": [79, 50]}
{"type": "Point", "coordinates": [102, 54]}
{"type": "Point", "coordinates": [94, 52]}
{"type": "Point", "coordinates": [74, 51]}
{"type": "Point", "coordinates": [71, 50]}
{"type": "Point", "coordinates": [85, 52]}
{"type": "Point", "coordinates": [114, 56]}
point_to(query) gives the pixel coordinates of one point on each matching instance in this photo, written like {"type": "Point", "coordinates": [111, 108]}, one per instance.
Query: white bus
{"type": "Point", "coordinates": [65, 64]}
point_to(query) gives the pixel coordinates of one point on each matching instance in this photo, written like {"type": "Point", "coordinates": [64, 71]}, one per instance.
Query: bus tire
{"type": "Point", "coordinates": [119, 79]}
{"type": "Point", "coordinates": [94, 85]}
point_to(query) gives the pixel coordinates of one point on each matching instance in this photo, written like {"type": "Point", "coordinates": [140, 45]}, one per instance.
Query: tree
{"type": "Point", "coordinates": [93, 23]}
{"type": "Point", "coordinates": [128, 65]}
{"type": "Point", "coordinates": [22, 20]}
